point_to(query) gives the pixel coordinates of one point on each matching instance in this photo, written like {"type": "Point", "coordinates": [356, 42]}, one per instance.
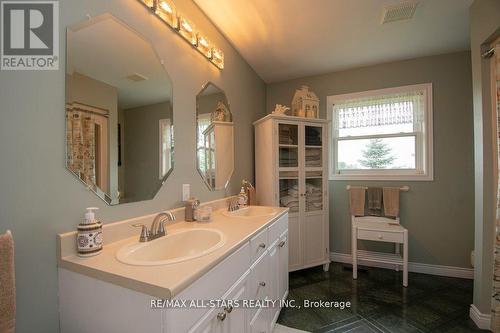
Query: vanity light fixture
{"type": "Point", "coordinates": [148, 3]}
{"type": "Point", "coordinates": [217, 58]}
{"type": "Point", "coordinates": [186, 30]}
{"type": "Point", "coordinates": [204, 46]}
{"type": "Point", "coordinates": [166, 11]}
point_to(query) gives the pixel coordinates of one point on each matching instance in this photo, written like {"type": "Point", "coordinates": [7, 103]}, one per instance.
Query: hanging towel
{"type": "Point", "coordinates": [7, 284]}
{"type": "Point", "coordinates": [391, 201]}
{"type": "Point", "coordinates": [357, 201]}
{"type": "Point", "coordinates": [374, 201]}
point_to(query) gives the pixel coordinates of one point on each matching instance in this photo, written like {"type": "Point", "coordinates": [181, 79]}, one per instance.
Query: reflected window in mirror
{"type": "Point", "coordinates": [215, 137]}
{"type": "Point", "coordinates": [119, 111]}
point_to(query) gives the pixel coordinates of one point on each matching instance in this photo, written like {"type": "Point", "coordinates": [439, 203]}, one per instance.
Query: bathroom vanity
{"type": "Point", "coordinates": [227, 268]}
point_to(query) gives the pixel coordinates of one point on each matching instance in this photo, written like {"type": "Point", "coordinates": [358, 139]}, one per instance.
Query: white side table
{"type": "Point", "coordinates": [379, 229]}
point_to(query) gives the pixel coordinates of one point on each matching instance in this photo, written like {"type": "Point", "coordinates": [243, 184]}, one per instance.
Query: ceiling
{"type": "Point", "coordinates": [107, 50]}
{"type": "Point", "coordinates": [283, 39]}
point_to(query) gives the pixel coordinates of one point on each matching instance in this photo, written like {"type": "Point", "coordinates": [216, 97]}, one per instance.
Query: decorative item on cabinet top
{"type": "Point", "coordinates": [305, 103]}
{"type": "Point", "coordinates": [281, 109]}
{"type": "Point", "coordinates": [166, 11]}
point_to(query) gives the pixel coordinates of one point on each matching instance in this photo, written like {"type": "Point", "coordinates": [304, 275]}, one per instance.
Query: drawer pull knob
{"type": "Point", "coordinates": [262, 245]}
{"type": "Point", "coordinates": [380, 236]}
{"type": "Point", "coordinates": [282, 243]}
{"type": "Point", "coordinates": [228, 309]}
{"type": "Point", "coordinates": [262, 284]}
{"type": "Point", "coordinates": [221, 316]}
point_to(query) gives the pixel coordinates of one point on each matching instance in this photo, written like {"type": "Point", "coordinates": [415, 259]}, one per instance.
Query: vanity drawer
{"type": "Point", "coordinates": [277, 228]}
{"type": "Point", "coordinates": [380, 236]}
{"type": "Point", "coordinates": [258, 244]}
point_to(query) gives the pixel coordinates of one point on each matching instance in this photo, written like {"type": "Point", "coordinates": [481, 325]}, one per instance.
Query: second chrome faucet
{"type": "Point", "coordinates": [157, 227]}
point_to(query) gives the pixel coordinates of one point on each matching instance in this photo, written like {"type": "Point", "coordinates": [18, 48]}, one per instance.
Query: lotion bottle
{"type": "Point", "coordinates": [89, 237]}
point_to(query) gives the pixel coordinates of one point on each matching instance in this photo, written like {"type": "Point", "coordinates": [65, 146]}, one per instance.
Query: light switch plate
{"type": "Point", "coordinates": [186, 192]}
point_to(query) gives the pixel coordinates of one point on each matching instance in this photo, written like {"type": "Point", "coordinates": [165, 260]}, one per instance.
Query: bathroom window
{"type": "Point", "coordinates": [165, 144]}
{"type": "Point", "coordinates": [201, 146]}
{"type": "Point", "coordinates": [382, 134]}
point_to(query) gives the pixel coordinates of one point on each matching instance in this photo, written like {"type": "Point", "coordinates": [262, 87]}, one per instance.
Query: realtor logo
{"type": "Point", "coordinates": [30, 35]}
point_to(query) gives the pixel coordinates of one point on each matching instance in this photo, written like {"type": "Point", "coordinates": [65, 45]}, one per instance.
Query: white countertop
{"type": "Point", "coordinates": [165, 281]}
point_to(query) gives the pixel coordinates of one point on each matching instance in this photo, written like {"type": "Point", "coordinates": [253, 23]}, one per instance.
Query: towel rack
{"type": "Point", "coordinates": [402, 188]}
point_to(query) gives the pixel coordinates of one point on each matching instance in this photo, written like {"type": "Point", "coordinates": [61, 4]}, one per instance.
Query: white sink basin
{"type": "Point", "coordinates": [251, 212]}
{"type": "Point", "coordinates": [178, 245]}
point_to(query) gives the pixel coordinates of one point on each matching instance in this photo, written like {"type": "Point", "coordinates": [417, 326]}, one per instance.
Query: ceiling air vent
{"type": "Point", "coordinates": [402, 11]}
{"type": "Point", "coordinates": [136, 77]}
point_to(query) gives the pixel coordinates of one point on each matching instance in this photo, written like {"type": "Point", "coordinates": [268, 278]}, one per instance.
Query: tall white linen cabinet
{"type": "Point", "coordinates": [291, 170]}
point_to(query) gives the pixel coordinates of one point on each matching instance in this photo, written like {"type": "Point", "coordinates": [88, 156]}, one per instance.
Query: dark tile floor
{"type": "Point", "coordinates": [379, 302]}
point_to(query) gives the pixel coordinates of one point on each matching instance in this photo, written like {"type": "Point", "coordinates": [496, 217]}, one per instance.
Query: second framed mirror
{"type": "Point", "coordinates": [215, 137]}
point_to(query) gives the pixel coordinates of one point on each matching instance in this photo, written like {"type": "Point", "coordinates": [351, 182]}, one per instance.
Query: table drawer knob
{"type": "Point", "coordinates": [262, 284]}
{"type": "Point", "coordinates": [262, 245]}
{"type": "Point", "coordinates": [380, 236]}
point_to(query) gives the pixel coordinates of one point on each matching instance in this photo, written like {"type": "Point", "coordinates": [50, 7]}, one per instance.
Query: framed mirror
{"type": "Point", "coordinates": [215, 137]}
{"type": "Point", "coordinates": [119, 111]}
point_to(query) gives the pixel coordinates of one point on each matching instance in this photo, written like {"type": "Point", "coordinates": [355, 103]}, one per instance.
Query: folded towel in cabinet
{"type": "Point", "coordinates": [391, 201]}
{"type": "Point", "coordinates": [285, 201]}
{"type": "Point", "coordinates": [7, 284]}
{"type": "Point", "coordinates": [357, 201]}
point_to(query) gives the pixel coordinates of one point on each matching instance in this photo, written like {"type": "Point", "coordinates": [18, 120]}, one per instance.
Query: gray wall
{"type": "Point", "coordinates": [40, 198]}
{"type": "Point", "coordinates": [438, 214]}
{"type": "Point", "coordinates": [141, 157]}
{"type": "Point", "coordinates": [208, 103]}
{"type": "Point", "coordinates": [484, 21]}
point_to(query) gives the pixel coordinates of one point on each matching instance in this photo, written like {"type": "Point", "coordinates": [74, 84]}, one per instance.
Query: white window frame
{"type": "Point", "coordinates": [424, 170]}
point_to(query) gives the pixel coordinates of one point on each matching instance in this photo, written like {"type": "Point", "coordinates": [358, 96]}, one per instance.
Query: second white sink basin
{"type": "Point", "coordinates": [178, 245]}
{"type": "Point", "coordinates": [251, 212]}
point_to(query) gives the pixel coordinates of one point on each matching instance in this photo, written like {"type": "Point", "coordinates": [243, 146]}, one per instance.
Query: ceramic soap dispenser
{"type": "Point", "coordinates": [89, 238]}
{"type": "Point", "coordinates": [242, 198]}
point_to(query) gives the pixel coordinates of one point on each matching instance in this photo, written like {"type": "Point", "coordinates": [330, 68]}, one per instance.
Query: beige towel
{"type": "Point", "coordinates": [357, 201]}
{"type": "Point", "coordinates": [7, 284]}
{"type": "Point", "coordinates": [391, 201]}
{"type": "Point", "coordinates": [374, 201]}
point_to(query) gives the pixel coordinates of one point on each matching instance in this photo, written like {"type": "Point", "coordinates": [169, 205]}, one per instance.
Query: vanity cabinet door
{"type": "Point", "coordinates": [236, 317]}
{"type": "Point", "coordinates": [283, 265]}
{"type": "Point", "coordinates": [259, 282]}
{"type": "Point", "coordinates": [227, 319]}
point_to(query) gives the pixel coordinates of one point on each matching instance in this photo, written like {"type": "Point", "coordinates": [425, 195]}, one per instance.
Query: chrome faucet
{"type": "Point", "coordinates": [157, 227]}
{"type": "Point", "coordinates": [233, 204]}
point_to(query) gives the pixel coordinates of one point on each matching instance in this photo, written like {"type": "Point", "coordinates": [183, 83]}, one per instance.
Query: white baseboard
{"type": "Point", "coordinates": [459, 272]}
{"type": "Point", "coordinates": [483, 321]}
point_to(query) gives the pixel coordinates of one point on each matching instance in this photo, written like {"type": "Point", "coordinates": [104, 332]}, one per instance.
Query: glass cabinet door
{"type": "Point", "coordinates": [300, 153]}
{"type": "Point", "coordinates": [313, 143]}
{"type": "Point", "coordinates": [313, 167]}
{"type": "Point", "coordinates": [289, 166]}
{"type": "Point", "coordinates": [288, 145]}
{"type": "Point", "coordinates": [289, 193]}
{"type": "Point", "coordinates": [314, 193]}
